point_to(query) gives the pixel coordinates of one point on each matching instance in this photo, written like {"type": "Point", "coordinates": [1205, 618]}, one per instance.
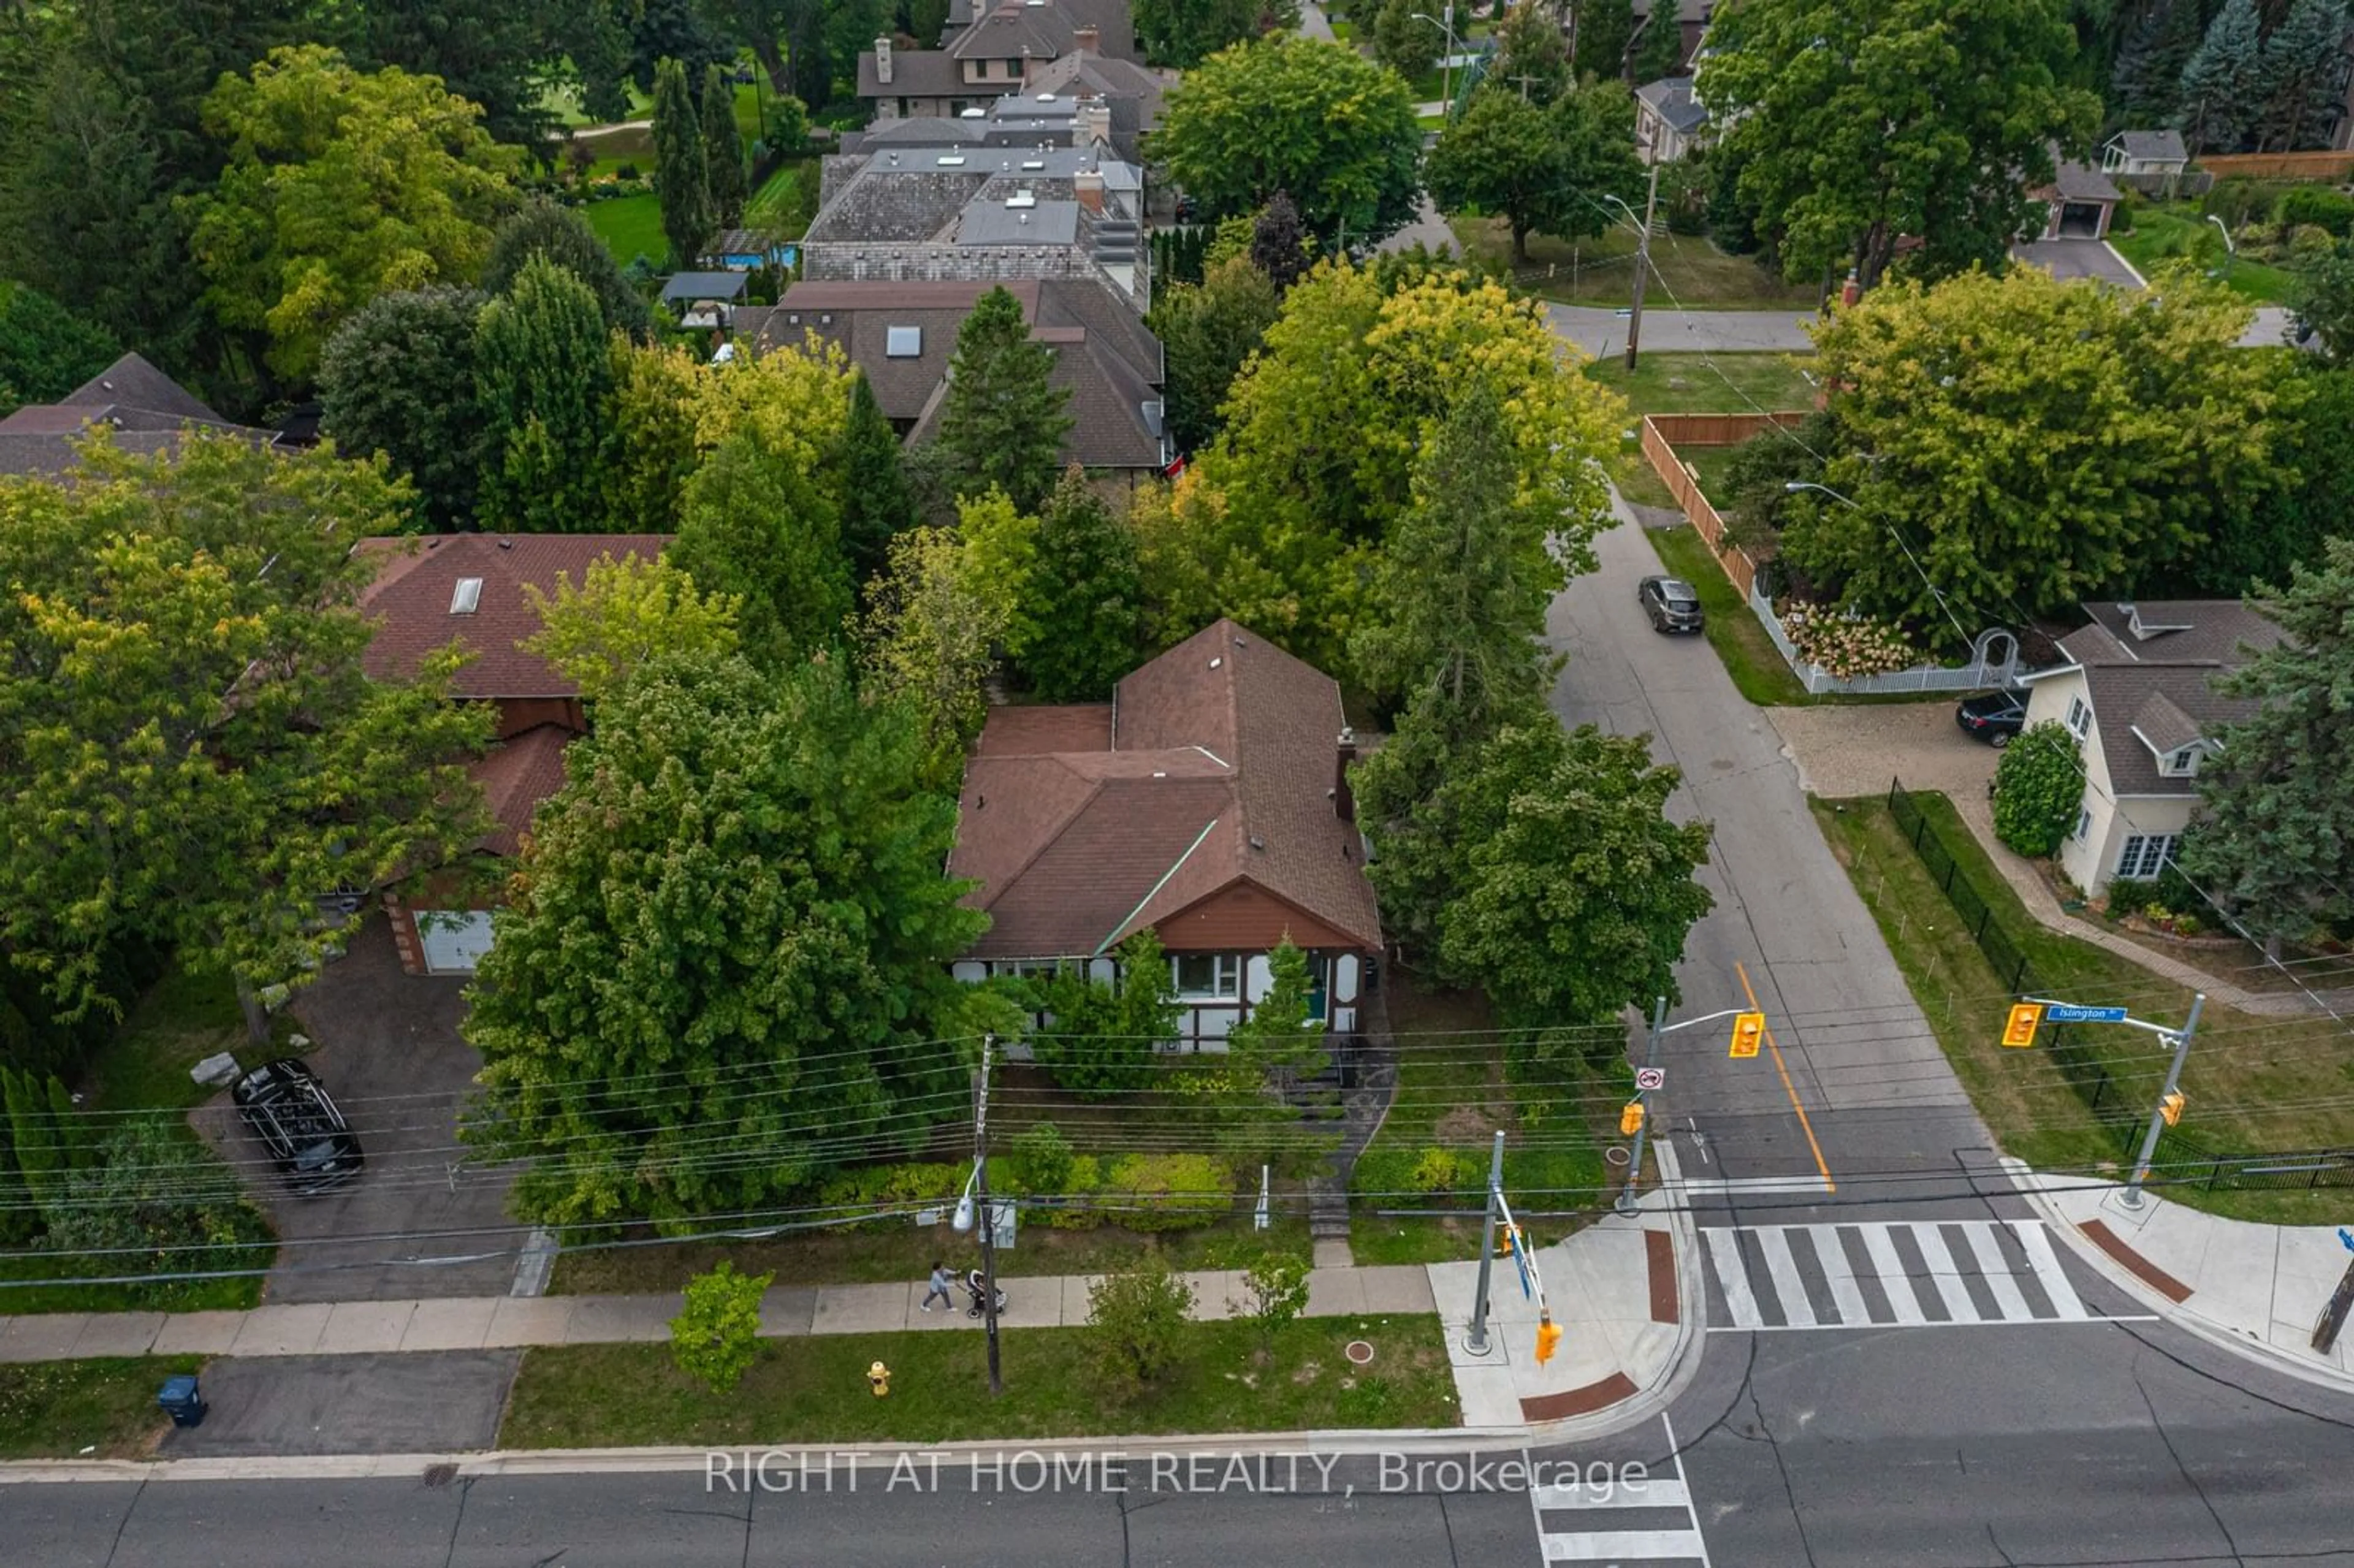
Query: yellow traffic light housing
{"type": "Point", "coordinates": [2020, 1030]}
{"type": "Point", "coordinates": [1548, 1339]}
{"type": "Point", "coordinates": [1504, 1242]}
{"type": "Point", "coordinates": [2170, 1107]}
{"type": "Point", "coordinates": [1748, 1032]}
{"type": "Point", "coordinates": [1631, 1118]}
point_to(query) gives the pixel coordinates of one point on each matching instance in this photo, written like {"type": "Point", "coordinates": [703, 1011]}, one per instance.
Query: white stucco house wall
{"type": "Point", "coordinates": [2136, 689]}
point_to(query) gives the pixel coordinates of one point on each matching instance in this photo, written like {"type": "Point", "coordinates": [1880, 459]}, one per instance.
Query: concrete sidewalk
{"type": "Point", "coordinates": [474, 1323]}
{"type": "Point", "coordinates": [2252, 1288]}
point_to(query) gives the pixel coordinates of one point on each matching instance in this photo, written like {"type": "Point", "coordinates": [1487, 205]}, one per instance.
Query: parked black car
{"type": "Point", "coordinates": [1671, 602]}
{"type": "Point", "coordinates": [286, 1107]}
{"type": "Point", "coordinates": [1995, 718]}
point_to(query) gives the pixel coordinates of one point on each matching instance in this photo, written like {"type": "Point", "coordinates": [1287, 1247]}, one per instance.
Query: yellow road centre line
{"type": "Point", "coordinates": [1779, 1067]}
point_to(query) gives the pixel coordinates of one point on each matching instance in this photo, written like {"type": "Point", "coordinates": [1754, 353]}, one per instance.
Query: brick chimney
{"type": "Point", "coordinates": [1344, 799]}
{"type": "Point", "coordinates": [1087, 39]}
{"type": "Point", "coordinates": [1088, 185]}
{"type": "Point", "coordinates": [1094, 122]}
{"type": "Point", "coordinates": [1851, 290]}
{"type": "Point", "coordinates": [882, 62]}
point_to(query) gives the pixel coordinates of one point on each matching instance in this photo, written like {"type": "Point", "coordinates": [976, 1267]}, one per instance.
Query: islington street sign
{"type": "Point", "coordinates": [2061, 1012]}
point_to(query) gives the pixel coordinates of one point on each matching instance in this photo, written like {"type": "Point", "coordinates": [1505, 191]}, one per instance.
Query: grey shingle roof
{"type": "Point", "coordinates": [2149, 672]}
{"type": "Point", "coordinates": [703, 286]}
{"type": "Point", "coordinates": [146, 410]}
{"type": "Point", "coordinates": [1672, 100]}
{"type": "Point", "coordinates": [2208, 631]}
{"type": "Point", "coordinates": [999, 223]}
{"type": "Point", "coordinates": [2073, 181]}
{"type": "Point", "coordinates": [132, 382]}
{"type": "Point", "coordinates": [2155, 146]}
{"type": "Point", "coordinates": [914, 73]}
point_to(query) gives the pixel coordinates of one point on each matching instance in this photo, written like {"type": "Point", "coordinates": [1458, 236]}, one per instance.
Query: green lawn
{"type": "Point", "coordinates": [774, 207]}
{"type": "Point", "coordinates": [2253, 1084]}
{"type": "Point", "coordinates": [814, 1390]}
{"type": "Point", "coordinates": [1757, 666]}
{"type": "Point", "coordinates": [1707, 383]}
{"type": "Point", "coordinates": [631, 226]}
{"type": "Point", "coordinates": [54, 1410]}
{"type": "Point", "coordinates": [2163, 234]}
{"type": "Point", "coordinates": [1600, 270]}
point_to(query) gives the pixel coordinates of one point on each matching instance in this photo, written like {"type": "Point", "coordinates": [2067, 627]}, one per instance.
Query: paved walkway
{"type": "Point", "coordinates": [471, 1323]}
{"type": "Point", "coordinates": [2252, 1288]}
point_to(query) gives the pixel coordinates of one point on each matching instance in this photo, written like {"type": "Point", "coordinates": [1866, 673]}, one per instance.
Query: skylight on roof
{"type": "Point", "coordinates": [903, 342]}
{"type": "Point", "coordinates": [951, 160]}
{"type": "Point", "coordinates": [1033, 163]}
{"type": "Point", "coordinates": [1023, 199]}
{"type": "Point", "coordinates": [468, 594]}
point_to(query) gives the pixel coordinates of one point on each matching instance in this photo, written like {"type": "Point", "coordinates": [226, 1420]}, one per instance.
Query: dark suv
{"type": "Point", "coordinates": [1995, 718]}
{"type": "Point", "coordinates": [286, 1107]}
{"type": "Point", "coordinates": [1671, 602]}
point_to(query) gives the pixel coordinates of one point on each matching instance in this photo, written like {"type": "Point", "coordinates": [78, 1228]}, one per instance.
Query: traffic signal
{"type": "Point", "coordinates": [1748, 1030]}
{"type": "Point", "coordinates": [1548, 1338]}
{"type": "Point", "coordinates": [1631, 1118]}
{"type": "Point", "coordinates": [2020, 1032]}
{"type": "Point", "coordinates": [1504, 1242]}
{"type": "Point", "coordinates": [2170, 1107]}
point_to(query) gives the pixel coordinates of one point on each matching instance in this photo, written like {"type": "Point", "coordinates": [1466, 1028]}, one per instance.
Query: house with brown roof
{"type": "Point", "coordinates": [1209, 800]}
{"type": "Point", "coordinates": [470, 589]}
{"type": "Point", "coordinates": [2136, 688]}
{"type": "Point", "coordinates": [146, 411]}
{"type": "Point", "coordinates": [902, 335]}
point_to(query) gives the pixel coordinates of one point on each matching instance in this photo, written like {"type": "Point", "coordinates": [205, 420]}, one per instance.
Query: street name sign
{"type": "Point", "coordinates": [2061, 1012]}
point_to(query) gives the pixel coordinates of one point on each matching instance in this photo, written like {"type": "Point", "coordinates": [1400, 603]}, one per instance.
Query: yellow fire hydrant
{"type": "Point", "coordinates": [878, 1378]}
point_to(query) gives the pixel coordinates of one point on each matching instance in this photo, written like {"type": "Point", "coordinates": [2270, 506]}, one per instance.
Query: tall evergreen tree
{"type": "Point", "coordinates": [875, 505]}
{"type": "Point", "coordinates": [2147, 87]}
{"type": "Point", "coordinates": [682, 166]}
{"type": "Point", "coordinates": [1085, 596]}
{"type": "Point", "coordinates": [2302, 60]}
{"type": "Point", "coordinates": [2219, 97]}
{"type": "Point", "coordinates": [543, 227]}
{"type": "Point", "coordinates": [543, 371]}
{"type": "Point", "coordinates": [1658, 45]}
{"type": "Point", "coordinates": [1605, 28]}
{"type": "Point", "coordinates": [722, 150]}
{"type": "Point", "coordinates": [1004, 420]}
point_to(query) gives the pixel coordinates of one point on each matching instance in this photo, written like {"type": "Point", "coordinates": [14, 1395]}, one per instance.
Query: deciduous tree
{"type": "Point", "coordinates": [340, 185]}
{"type": "Point", "coordinates": [1532, 58]}
{"type": "Point", "coordinates": [543, 373]}
{"type": "Point", "coordinates": [682, 166]}
{"type": "Point", "coordinates": [2038, 787]}
{"type": "Point", "coordinates": [46, 350]}
{"type": "Point", "coordinates": [1085, 597]}
{"type": "Point", "coordinates": [1207, 331]}
{"type": "Point", "coordinates": [1605, 28]}
{"type": "Point", "coordinates": [733, 905]}
{"type": "Point", "coordinates": [753, 526]}
{"type": "Point", "coordinates": [185, 686]}
{"type": "Point", "coordinates": [624, 614]}
{"type": "Point", "coordinates": [929, 641]}
{"type": "Point", "coordinates": [1295, 114]}
{"type": "Point", "coordinates": [716, 1336]}
{"type": "Point", "coordinates": [1659, 49]}
{"type": "Point", "coordinates": [1181, 34]}
{"type": "Point", "coordinates": [503, 57]}
{"type": "Point", "coordinates": [1536, 168]}
{"type": "Point", "coordinates": [1004, 419]}
{"type": "Point", "coordinates": [2323, 303]}
{"type": "Point", "coordinates": [1404, 42]}
{"type": "Point", "coordinates": [542, 227]}
{"type": "Point", "coordinates": [399, 378]}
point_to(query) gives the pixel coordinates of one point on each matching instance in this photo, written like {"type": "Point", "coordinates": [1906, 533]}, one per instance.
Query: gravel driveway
{"type": "Point", "coordinates": [1845, 751]}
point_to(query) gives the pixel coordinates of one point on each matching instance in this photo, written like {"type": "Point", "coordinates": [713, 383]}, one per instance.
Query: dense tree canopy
{"type": "Point", "coordinates": [399, 378]}
{"type": "Point", "coordinates": [542, 227]}
{"type": "Point", "coordinates": [1852, 126]}
{"type": "Point", "coordinates": [341, 186]}
{"type": "Point", "coordinates": [928, 641]}
{"type": "Point", "coordinates": [753, 526]}
{"type": "Point", "coordinates": [735, 905]}
{"type": "Point", "coordinates": [682, 166]}
{"type": "Point", "coordinates": [1083, 595]}
{"type": "Point", "coordinates": [46, 350]}
{"type": "Point", "coordinates": [624, 615]}
{"type": "Point", "coordinates": [1536, 168]}
{"type": "Point", "coordinates": [183, 685]}
{"type": "Point", "coordinates": [875, 505]}
{"type": "Point", "coordinates": [1295, 114]}
{"type": "Point", "coordinates": [502, 58]}
{"type": "Point", "coordinates": [1207, 330]}
{"type": "Point", "coordinates": [1181, 34]}
{"type": "Point", "coordinates": [542, 375]}
{"type": "Point", "coordinates": [1003, 422]}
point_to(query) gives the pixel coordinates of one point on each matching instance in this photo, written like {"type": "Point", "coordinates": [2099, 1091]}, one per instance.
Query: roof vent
{"type": "Point", "coordinates": [1046, 97]}
{"type": "Point", "coordinates": [1257, 842]}
{"type": "Point", "coordinates": [1216, 662]}
{"type": "Point", "coordinates": [974, 114]}
{"type": "Point", "coordinates": [507, 544]}
{"type": "Point", "coordinates": [1157, 773]}
{"type": "Point", "coordinates": [468, 594]}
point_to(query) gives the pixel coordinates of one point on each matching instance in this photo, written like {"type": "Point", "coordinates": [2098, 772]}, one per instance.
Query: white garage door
{"type": "Point", "coordinates": [454, 939]}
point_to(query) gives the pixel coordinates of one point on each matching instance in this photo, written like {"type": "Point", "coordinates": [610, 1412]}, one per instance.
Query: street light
{"type": "Point", "coordinates": [1447, 66]}
{"type": "Point", "coordinates": [1642, 262]}
{"type": "Point", "coordinates": [1792, 487]}
{"type": "Point", "coordinates": [2231, 249]}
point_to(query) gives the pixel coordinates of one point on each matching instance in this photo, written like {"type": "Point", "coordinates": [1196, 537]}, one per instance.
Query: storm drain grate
{"type": "Point", "coordinates": [440, 1475]}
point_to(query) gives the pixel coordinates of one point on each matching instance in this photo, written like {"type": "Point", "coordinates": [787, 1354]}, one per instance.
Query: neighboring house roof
{"type": "Point", "coordinates": [917, 73]}
{"type": "Point", "coordinates": [744, 242]}
{"type": "Point", "coordinates": [1122, 82]}
{"type": "Point", "coordinates": [417, 596]}
{"type": "Point", "coordinates": [146, 409]}
{"type": "Point", "coordinates": [516, 776]}
{"type": "Point", "coordinates": [1671, 99]}
{"type": "Point", "coordinates": [2073, 181]}
{"type": "Point", "coordinates": [703, 286]}
{"type": "Point", "coordinates": [1213, 766]}
{"type": "Point", "coordinates": [2149, 671]}
{"type": "Point", "coordinates": [1044, 29]}
{"type": "Point", "coordinates": [2151, 146]}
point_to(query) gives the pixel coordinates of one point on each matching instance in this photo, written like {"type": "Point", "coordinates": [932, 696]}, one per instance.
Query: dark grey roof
{"type": "Point", "coordinates": [1004, 30]}
{"type": "Point", "coordinates": [914, 73]}
{"type": "Point", "coordinates": [2146, 712]}
{"type": "Point", "coordinates": [703, 286]}
{"type": "Point", "coordinates": [901, 203]}
{"type": "Point", "coordinates": [131, 383]}
{"type": "Point", "coordinates": [146, 409]}
{"type": "Point", "coordinates": [1672, 100]}
{"type": "Point", "coordinates": [1117, 81]}
{"type": "Point", "coordinates": [2073, 181]}
{"type": "Point", "coordinates": [2214, 632]}
{"type": "Point", "coordinates": [1005, 223]}
{"type": "Point", "coordinates": [917, 131]}
{"type": "Point", "coordinates": [743, 242]}
{"type": "Point", "coordinates": [2155, 146]}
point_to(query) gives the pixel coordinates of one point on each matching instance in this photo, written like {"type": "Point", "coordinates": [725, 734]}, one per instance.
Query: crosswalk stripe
{"type": "Point", "coordinates": [1945, 1276]}
{"type": "Point", "coordinates": [1902, 1300]}
{"type": "Point", "coordinates": [1724, 1251]}
{"type": "Point", "coordinates": [1710, 1186]}
{"type": "Point", "coordinates": [1840, 1274]}
{"type": "Point", "coordinates": [1995, 1270]}
{"type": "Point", "coordinates": [1774, 1245]}
{"type": "Point", "coordinates": [1657, 1491]}
{"type": "Point", "coordinates": [1613, 1545]}
{"type": "Point", "coordinates": [2036, 1242]}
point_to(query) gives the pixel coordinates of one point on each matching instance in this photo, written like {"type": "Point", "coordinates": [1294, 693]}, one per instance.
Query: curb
{"type": "Point", "coordinates": [2109, 1263]}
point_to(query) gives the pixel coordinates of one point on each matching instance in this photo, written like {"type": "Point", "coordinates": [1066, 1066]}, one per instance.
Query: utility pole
{"type": "Point", "coordinates": [1642, 269]}
{"type": "Point", "coordinates": [1625, 1204]}
{"type": "Point", "coordinates": [1476, 1341]}
{"type": "Point", "coordinates": [2132, 1198]}
{"type": "Point", "coordinates": [988, 1213]}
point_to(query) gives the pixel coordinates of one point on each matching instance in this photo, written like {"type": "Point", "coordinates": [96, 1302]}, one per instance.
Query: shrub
{"type": "Point", "coordinates": [1168, 1191]}
{"type": "Point", "coordinates": [2234, 200]}
{"type": "Point", "coordinates": [2038, 787]}
{"type": "Point", "coordinates": [717, 1337]}
{"type": "Point", "coordinates": [1137, 1321]}
{"type": "Point", "coordinates": [2309, 243]}
{"type": "Point", "coordinates": [1437, 1170]}
{"type": "Point", "coordinates": [2317, 205]}
{"type": "Point", "coordinates": [1849, 646]}
{"type": "Point", "coordinates": [1042, 1159]}
{"type": "Point", "coordinates": [1277, 1289]}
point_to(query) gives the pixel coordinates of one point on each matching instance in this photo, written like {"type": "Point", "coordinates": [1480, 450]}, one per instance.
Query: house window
{"type": "Point", "coordinates": [2080, 718]}
{"type": "Point", "coordinates": [1206, 977]}
{"type": "Point", "coordinates": [2180, 764]}
{"type": "Point", "coordinates": [2083, 823]}
{"type": "Point", "coordinates": [2145, 852]}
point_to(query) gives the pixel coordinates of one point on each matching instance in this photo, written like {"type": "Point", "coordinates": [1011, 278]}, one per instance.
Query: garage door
{"type": "Point", "coordinates": [454, 939]}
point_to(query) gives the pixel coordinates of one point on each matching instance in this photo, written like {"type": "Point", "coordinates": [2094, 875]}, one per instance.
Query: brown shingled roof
{"type": "Point", "coordinates": [516, 776]}
{"type": "Point", "coordinates": [416, 586]}
{"type": "Point", "coordinates": [1218, 771]}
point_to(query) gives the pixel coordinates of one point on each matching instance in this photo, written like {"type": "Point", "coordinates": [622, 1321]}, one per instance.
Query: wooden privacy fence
{"type": "Point", "coordinates": [1662, 433]}
{"type": "Point", "coordinates": [2282, 165]}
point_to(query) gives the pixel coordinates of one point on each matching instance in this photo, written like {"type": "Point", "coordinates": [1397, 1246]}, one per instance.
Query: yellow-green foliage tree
{"type": "Point", "coordinates": [622, 614]}
{"type": "Point", "coordinates": [340, 185]}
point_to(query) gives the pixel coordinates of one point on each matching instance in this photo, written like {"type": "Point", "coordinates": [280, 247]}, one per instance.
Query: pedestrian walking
{"type": "Point", "coordinates": [939, 1286]}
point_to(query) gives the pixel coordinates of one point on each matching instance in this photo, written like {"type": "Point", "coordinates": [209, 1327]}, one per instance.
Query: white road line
{"type": "Point", "coordinates": [1839, 1272]}
{"type": "Point", "coordinates": [2008, 1300]}
{"type": "Point", "coordinates": [1719, 1185]}
{"type": "Point", "coordinates": [1978, 1323]}
{"type": "Point", "coordinates": [1656, 1493]}
{"type": "Point", "coordinates": [1890, 1266]}
{"type": "Point", "coordinates": [1611, 1545]}
{"type": "Point", "coordinates": [1944, 1275]}
{"type": "Point", "coordinates": [1774, 1243]}
{"type": "Point", "coordinates": [2036, 1242]}
{"type": "Point", "coordinates": [1725, 1254]}
{"type": "Point", "coordinates": [1676, 1451]}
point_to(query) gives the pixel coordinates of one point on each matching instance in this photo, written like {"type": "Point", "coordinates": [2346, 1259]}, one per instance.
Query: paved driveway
{"type": "Point", "coordinates": [388, 1045]}
{"type": "Point", "coordinates": [436, 1402]}
{"type": "Point", "coordinates": [2078, 258]}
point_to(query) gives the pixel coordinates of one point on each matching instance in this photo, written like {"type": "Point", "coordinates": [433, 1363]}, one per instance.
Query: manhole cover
{"type": "Point", "coordinates": [1617, 1154]}
{"type": "Point", "coordinates": [1359, 1353]}
{"type": "Point", "coordinates": [440, 1475]}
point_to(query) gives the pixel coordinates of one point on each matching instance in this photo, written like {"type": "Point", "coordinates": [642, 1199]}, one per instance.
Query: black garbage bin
{"type": "Point", "coordinates": [181, 1401]}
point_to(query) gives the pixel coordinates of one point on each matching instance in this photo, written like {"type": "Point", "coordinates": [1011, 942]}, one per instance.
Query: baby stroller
{"type": "Point", "coordinates": [974, 1288]}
